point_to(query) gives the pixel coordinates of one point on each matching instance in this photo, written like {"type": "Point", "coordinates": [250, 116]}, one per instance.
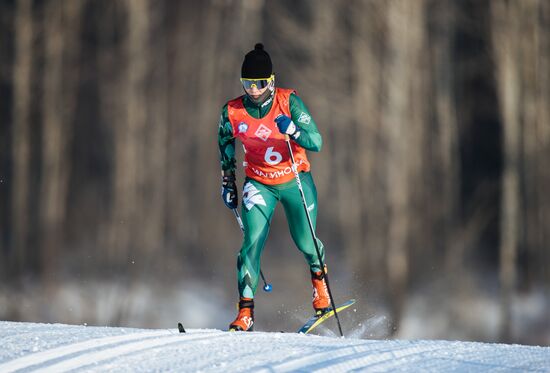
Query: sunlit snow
{"type": "Point", "coordinates": [59, 348]}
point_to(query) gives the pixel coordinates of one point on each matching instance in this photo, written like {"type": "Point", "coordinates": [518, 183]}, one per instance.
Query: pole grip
{"type": "Point", "coordinates": [239, 220]}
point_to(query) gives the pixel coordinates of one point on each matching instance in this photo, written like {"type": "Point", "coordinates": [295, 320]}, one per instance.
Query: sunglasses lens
{"type": "Point", "coordinates": [259, 83]}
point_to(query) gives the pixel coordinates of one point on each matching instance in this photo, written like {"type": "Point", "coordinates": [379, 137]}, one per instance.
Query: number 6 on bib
{"type": "Point", "coordinates": [272, 157]}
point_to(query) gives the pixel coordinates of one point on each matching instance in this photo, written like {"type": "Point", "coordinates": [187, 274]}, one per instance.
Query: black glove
{"type": "Point", "coordinates": [229, 190]}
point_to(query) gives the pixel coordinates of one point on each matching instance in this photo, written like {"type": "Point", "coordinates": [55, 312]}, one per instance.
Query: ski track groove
{"type": "Point", "coordinates": [369, 359]}
{"type": "Point", "coordinates": [474, 365]}
{"type": "Point", "coordinates": [474, 357]}
{"type": "Point", "coordinates": [300, 362]}
{"type": "Point", "coordinates": [313, 360]}
{"type": "Point", "coordinates": [478, 358]}
{"type": "Point", "coordinates": [217, 364]}
{"type": "Point", "coordinates": [56, 353]}
{"type": "Point", "coordinates": [91, 360]}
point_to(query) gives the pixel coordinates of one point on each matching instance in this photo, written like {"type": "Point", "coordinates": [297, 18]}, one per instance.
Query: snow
{"type": "Point", "coordinates": [60, 348]}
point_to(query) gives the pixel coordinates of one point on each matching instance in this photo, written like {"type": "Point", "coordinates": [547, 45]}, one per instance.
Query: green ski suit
{"type": "Point", "coordinates": [257, 216]}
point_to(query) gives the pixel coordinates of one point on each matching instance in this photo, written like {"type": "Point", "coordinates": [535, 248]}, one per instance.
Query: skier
{"type": "Point", "coordinates": [262, 119]}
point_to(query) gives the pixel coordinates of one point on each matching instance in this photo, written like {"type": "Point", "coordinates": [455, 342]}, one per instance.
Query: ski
{"type": "Point", "coordinates": [312, 323]}
{"type": "Point", "coordinates": [317, 320]}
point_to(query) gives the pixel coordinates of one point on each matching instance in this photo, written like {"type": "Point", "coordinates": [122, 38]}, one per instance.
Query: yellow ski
{"type": "Point", "coordinates": [317, 320]}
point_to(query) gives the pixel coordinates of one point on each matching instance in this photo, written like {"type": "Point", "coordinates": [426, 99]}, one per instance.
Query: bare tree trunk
{"type": "Point", "coordinates": [345, 158]}
{"type": "Point", "coordinates": [53, 140]}
{"type": "Point", "coordinates": [506, 34]}
{"type": "Point", "coordinates": [444, 184]}
{"type": "Point", "coordinates": [400, 122]}
{"type": "Point", "coordinates": [208, 89]}
{"type": "Point", "coordinates": [61, 29]}
{"type": "Point", "coordinates": [110, 85]}
{"type": "Point", "coordinates": [128, 176]}
{"type": "Point", "coordinates": [531, 195]}
{"type": "Point", "coordinates": [179, 132]}
{"type": "Point", "coordinates": [250, 17]}
{"type": "Point", "coordinates": [21, 135]}
{"type": "Point", "coordinates": [368, 35]}
{"type": "Point", "coordinates": [446, 154]}
{"type": "Point", "coordinates": [543, 135]}
{"type": "Point", "coordinates": [534, 69]}
{"type": "Point", "coordinates": [154, 150]}
{"type": "Point", "coordinates": [394, 123]}
{"type": "Point", "coordinates": [340, 183]}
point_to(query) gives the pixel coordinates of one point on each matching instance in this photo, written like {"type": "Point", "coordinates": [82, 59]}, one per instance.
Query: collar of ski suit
{"type": "Point", "coordinates": [258, 110]}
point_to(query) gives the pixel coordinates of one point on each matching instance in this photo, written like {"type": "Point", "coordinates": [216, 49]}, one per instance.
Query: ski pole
{"type": "Point", "coordinates": [267, 287]}
{"type": "Point", "coordinates": [312, 230]}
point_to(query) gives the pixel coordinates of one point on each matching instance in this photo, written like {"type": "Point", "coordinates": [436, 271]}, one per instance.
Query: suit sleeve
{"type": "Point", "coordinates": [309, 137]}
{"type": "Point", "coordinates": [226, 142]}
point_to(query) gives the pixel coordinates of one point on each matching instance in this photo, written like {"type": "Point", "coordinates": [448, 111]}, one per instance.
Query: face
{"type": "Point", "coordinates": [255, 92]}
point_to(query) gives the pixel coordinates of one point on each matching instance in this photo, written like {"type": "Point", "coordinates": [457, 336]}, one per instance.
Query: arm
{"type": "Point", "coordinates": [226, 143]}
{"type": "Point", "coordinates": [309, 137]}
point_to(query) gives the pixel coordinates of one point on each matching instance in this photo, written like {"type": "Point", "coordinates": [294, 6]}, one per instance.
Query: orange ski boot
{"type": "Point", "coordinates": [321, 298]}
{"type": "Point", "coordinates": [245, 319]}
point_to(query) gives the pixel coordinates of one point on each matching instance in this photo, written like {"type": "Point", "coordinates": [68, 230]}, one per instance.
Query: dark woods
{"type": "Point", "coordinates": [436, 123]}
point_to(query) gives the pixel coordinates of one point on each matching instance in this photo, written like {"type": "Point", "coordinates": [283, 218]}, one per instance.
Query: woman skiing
{"type": "Point", "coordinates": [262, 119]}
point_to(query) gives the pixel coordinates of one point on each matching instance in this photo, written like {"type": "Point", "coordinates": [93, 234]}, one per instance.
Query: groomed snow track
{"type": "Point", "coordinates": [30, 347]}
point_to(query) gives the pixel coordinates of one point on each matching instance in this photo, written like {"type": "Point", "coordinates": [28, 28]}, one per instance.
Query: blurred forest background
{"type": "Point", "coordinates": [434, 179]}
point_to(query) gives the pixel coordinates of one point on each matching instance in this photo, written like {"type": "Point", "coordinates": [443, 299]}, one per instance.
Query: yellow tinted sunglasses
{"type": "Point", "coordinates": [258, 83]}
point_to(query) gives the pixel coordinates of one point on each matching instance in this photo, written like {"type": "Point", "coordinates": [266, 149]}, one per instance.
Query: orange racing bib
{"type": "Point", "coordinates": [266, 157]}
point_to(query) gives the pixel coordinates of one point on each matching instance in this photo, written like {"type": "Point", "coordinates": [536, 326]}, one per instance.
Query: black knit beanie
{"type": "Point", "coordinates": [257, 64]}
